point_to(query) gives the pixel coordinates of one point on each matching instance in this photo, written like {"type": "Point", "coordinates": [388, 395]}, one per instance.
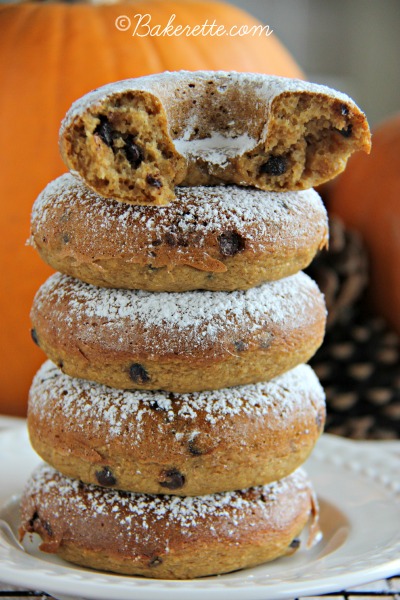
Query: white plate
{"type": "Point", "coordinates": [358, 485]}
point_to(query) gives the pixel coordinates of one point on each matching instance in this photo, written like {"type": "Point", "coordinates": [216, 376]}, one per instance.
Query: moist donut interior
{"type": "Point", "coordinates": [309, 141]}
{"type": "Point", "coordinates": [129, 136]}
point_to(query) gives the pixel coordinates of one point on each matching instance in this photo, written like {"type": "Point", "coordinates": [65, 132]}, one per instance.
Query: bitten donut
{"type": "Point", "coordinates": [211, 441]}
{"type": "Point", "coordinates": [134, 140]}
{"type": "Point", "coordinates": [180, 342]}
{"type": "Point", "coordinates": [166, 537]}
{"type": "Point", "coordinates": [215, 238]}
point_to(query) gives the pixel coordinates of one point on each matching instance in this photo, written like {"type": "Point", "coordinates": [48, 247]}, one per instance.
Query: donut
{"type": "Point", "coordinates": [179, 342]}
{"type": "Point", "coordinates": [212, 441]}
{"type": "Point", "coordinates": [134, 140]}
{"type": "Point", "coordinates": [215, 238]}
{"type": "Point", "coordinates": [166, 537]}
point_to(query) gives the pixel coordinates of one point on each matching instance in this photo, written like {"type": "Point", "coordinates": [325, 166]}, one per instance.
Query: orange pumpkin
{"type": "Point", "coordinates": [367, 197]}
{"type": "Point", "coordinates": [50, 54]}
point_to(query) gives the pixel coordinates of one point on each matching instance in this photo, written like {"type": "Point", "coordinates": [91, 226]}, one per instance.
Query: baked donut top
{"type": "Point", "coordinates": [168, 324]}
{"type": "Point", "coordinates": [201, 228]}
{"type": "Point", "coordinates": [113, 411]}
{"type": "Point", "coordinates": [188, 120]}
{"type": "Point", "coordinates": [133, 510]}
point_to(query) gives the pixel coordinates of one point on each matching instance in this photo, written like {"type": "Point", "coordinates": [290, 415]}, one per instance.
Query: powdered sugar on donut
{"type": "Point", "coordinates": [266, 88]}
{"type": "Point", "coordinates": [156, 514]}
{"type": "Point", "coordinates": [112, 413]}
{"type": "Point", "coordinates": [176, 323]}
{"type": "Point", "coordinates": [265, 220]}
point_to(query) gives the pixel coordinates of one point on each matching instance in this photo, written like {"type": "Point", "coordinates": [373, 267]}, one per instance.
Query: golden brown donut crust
{"type": "Point", "coordinates": [215, 238]}
{"type": "Point", "coordinates": [211, 441]}
{"type": "Point", "coordinates": [134, 140]}
{"type": "Point", "coordinates": [165, 537]}
{"type": "Point", "coordinates": [181, 342]}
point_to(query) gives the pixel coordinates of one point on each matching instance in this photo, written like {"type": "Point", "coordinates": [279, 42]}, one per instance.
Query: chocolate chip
{"type": "Point", "coordinates": [153, 181]}
{"type": "Point", "coordinates": [239, 345]}
{"type": "Point", "coordinates": [231, 243]}
{"type": "Point", "coordinates": [156, 242]}
{"type": "Point", "coordinates": [182, 242]}
{"type": "Point", "coordinates": [47, 527]}
{"type": "Point", "coordinates": [347, 131]}
{"type": "Point", "coordinates": [138, 373]}
{"type": "Point", "coordinates": [65, 217]}
{"type": "Point", "coordinates": [173, 479]}
{"type": "Point", "coordinates": [104, 131]}
{"type": "Point", "coordinates": [34, 336]}
{"type": "Point", "coordinates": [193, 449]}
{"type": "Point", "coordinates": [275, 165]}
{"type": "Point", "coordinates": [295, 544]}
{"type": "Point", "coordinates": [105, 477]}
{"type": "Point", "coordinates": [36, 524]}
{"type": "Point", "coordinates": [170, 239]}
{"type": "Point", "coordinates": [31, 521]}
{"type": "Point", "coordinates": [133, 152]}
{"type": "Point", "coordinates": [60, 364]}
{"type": "Point", "coordinates": [155, 561]}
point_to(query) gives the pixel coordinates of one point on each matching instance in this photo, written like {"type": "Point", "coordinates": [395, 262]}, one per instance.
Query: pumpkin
{"type": "Point", "coordinates": [50, 54]}
{"type": "Point", "coordinates": [367, 197]}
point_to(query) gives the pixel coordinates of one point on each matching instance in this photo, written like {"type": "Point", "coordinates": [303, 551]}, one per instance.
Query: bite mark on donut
{"type": "Point", "coordinates": [123, 150]}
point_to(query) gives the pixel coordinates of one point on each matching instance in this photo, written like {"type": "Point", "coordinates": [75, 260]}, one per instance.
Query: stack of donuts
{"type": "Point", "coordinates": [176, 410]}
